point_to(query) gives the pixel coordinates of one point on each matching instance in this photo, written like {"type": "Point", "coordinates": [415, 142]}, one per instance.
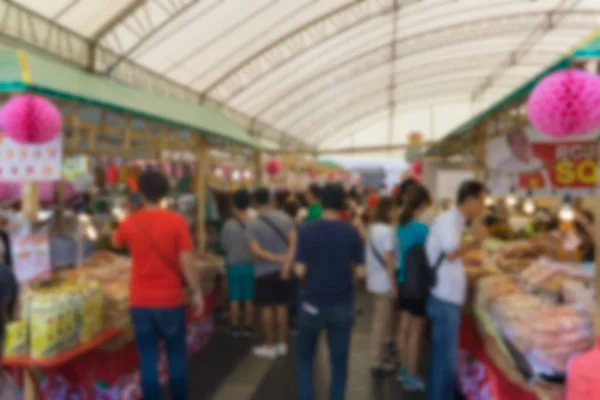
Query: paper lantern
{"type": "Point", "coordinates": [30, 119]}
{"type": "Point", "coordinates": [273, 167]}
{"type": "Point", "coordinates": [415, 138]}
{"type": "Point", "coordinates": [412, 154]}
{"type": "Point", "coordinates": [566, 103]}
{"type": "Point", "coordinates": [416, 169]}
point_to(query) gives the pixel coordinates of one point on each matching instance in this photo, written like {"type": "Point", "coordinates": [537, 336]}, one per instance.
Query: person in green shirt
{"type": "Point", "coordinates": [313, 196]}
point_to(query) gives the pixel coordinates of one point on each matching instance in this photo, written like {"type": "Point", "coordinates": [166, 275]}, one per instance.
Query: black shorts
{"type": "Point", "coordinates": [414, 307]}
{"type": "Point", "coordinates": [271, 290]}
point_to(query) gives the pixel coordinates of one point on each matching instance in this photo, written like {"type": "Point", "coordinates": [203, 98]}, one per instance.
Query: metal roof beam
{"type": "Point", "coordinates": [17, 29]}
{"type": "Point", "coordinates": [111, 24]}
{"type": "Point", "coordinates": [370, 149]}
{"type": "Point", "coordinates": [550, 21]}
{"type": "Point", "coordinates": [379, 54]}
{"type": "Point", "coordinates": [314, 104]}
{"type": "Point", "coordinates": [434, 88]}
{"type": "Point", "coordinates": [340, 128]}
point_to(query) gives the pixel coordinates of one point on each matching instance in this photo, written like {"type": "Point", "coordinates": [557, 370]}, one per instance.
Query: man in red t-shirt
{"type": "Point", "coordinates": [162, 251]}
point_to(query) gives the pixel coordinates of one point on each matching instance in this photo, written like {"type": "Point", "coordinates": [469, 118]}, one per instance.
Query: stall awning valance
{"type": "Point", "coordinates": [21, 71]}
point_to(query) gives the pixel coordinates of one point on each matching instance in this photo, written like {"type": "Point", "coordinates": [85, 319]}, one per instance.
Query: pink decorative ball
{"type": "Point", "coordinates": [565, 103]}
{"type": "Point", "coordinates": [273, 167]}
{"type": "Point", "coordinates": [416, 169]}
{"type": "Point", "coordinates": [30, 119]}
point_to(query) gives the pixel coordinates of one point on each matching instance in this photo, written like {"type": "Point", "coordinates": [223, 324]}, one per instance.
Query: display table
{"type": "Point", "coordinates": [76, 358]}
{"type": "Point", "coordinates": [105, 368]}
{"type": "Point", "coordinates": [486, 370]}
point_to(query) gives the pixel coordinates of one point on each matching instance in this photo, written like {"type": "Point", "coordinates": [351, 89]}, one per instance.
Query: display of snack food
{"type": "Point", "coordinates": [547, 329]}
{"type": "Point", "coordinates": [55, 318]}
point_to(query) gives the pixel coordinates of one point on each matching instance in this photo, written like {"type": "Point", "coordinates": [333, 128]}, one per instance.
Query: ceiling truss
{"type": "Point", "coordinates": [317, 104]}
{"type": "Point", "coordinates": [371, 58]}
{"type": "Point", "coordinates": [21, 26]}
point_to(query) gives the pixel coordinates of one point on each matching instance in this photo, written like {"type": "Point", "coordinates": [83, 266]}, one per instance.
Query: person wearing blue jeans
{"type": "Point", "coordinates": [443, 355]}
{"type": "Point", "coordinates": [163, 262]}
{"type": "Point", "coordinates": [444, 242]}
{"type": "Point", "coordinates": [152, 326]}
{"type": "Point", "coordinates": [327, 251]}
{"type": "Point", "coordinates": [337, 322]}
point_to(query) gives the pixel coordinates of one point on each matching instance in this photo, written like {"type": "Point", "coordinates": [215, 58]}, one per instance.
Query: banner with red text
{"type": "Point", "coordinates": [526, 160]}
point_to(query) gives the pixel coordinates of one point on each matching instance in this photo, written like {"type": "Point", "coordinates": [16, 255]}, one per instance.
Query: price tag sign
{"type": "Point", "coordinates": [31, 256]}
{"type": "Point", "coordinates": [30, 162]}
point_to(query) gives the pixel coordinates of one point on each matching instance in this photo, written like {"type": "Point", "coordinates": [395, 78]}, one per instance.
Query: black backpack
{"type": "Point", "coordinates": [419, 276]}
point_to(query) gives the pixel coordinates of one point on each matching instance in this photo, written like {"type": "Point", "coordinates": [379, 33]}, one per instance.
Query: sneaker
{"type": "Point", "coordinates": [403, 375]}
{"type": "Point", "coordinates": [248, 332]}
{"type": "Point", "coordinates": [414, 384]}
{"type": "Point", "coordinates": [282, 349]}
{"type": "Point", "coordinates": [236, 333]}
{"type": "Point", "coordinates": [268, 352]}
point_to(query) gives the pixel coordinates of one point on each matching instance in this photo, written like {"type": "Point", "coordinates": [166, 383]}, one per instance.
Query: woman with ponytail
{"type": "Point", "coordinates": [411, 232]}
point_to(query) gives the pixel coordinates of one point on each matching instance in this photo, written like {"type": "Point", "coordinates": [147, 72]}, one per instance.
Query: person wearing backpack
{"type": "Point", "coordinates": [380, 253]}
{"type": "Point", "coordinates": [444, 250]}
{"type": "Point", "coordinates": [411, 233]}
{"type": "Point", "coordinates": [240, 266]}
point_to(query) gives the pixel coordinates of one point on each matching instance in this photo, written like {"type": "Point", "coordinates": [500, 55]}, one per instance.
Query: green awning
{"type": "Point", "coordinates": [20, 71]}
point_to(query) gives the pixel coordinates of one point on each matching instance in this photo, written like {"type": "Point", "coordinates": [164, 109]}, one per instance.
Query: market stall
{"type": "Point", "coordinates": [74, 338]}
{"type": "Point", "coordinates": [532, 305]}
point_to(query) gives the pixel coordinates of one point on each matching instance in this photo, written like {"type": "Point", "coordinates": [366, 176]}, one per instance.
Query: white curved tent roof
{"type": "Point", "coordinates": [331, 72]}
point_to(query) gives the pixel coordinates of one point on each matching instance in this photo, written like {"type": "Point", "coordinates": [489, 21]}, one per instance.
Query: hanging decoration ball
{"type": "Point", "coordinates": [416, 169]}
{"type": "Point", "coordinates": [565, 103]}
{"type": "Point", "coordinates": [273, 167]}
{"type": "Point", "coordinates": [412, 154]}
{"type": "Point", "coordinates": [30, 119]}
{"type": "Point", "coordinates": [415, 138]}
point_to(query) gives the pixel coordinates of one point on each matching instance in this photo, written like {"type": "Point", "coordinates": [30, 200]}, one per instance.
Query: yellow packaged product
{"type": "Point", "coordinates": [44, 326]}
{"type": "Point", "coordinates": [15, 342]}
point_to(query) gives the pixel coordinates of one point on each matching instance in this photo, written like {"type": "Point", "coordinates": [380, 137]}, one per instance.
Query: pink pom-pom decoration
{"type": "Point", "coordinates": [273, 167]}
{"type": "Point", "coordinates": [565, 103]}
{"type": "Point", "coordinates": [416, 169]}
{"type": "Point", "coordinates": [30, 119]}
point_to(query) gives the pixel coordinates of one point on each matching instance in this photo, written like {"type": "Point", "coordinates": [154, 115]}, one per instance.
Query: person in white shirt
{"type": "Point", "coordinates": [444, 243]}
{"type": "Point", "coordinates": [521, 170]}
{"type": "Point", "coordinates": [381, 255]}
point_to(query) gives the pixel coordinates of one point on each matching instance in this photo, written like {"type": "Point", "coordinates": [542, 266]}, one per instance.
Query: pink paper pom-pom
{"type": "Point", "coordinates": [566, 103]}
{"type": "Point", "coordinates": [273, 167]}
{"type": "Point", "coordinates": [30, 119]}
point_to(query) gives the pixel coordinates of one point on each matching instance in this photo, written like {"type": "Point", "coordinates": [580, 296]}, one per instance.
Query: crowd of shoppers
{"type": "Point", "coordinates": [299, 255]}
{"type": "Point", "coordinates": [305, 251]}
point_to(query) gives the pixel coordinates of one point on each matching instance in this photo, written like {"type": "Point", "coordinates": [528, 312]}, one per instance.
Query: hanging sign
{"type": "Point", "coordinates": [30, 162]}
{"type": "Point", "coordinates": [31, 256]}
{"type": "Point", "coordinates": [526, 160]}
{"type": "Point", "coordinates": [73, 167]}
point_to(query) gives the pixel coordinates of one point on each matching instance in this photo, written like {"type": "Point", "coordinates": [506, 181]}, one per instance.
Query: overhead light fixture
{"type": "Point", "coordinates": [529, 204]}
{"type": "Point", "coordinates": [489, 201]}
{"type": "Point", "coordinates": [566, 212]}
{"type": "Point", "coordinates": [511, 199]}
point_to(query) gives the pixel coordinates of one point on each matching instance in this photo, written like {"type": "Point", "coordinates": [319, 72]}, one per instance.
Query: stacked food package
{"type": "Point", "coordinates": [55, 318]}
{"type": "Point", "coordinates": [72, 309]}
{"type": "Point", "coordinates": [545, 311]}
{"type": "Point", "coordinates": [113, 273]}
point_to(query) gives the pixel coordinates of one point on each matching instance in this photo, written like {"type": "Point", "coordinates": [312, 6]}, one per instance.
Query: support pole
{"type": "Point", "coordinates": [31, 200]}
{"type": "Point", "coordinates": [257, 164]}
{"type": "Point", "coordinates": [202, 157]}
